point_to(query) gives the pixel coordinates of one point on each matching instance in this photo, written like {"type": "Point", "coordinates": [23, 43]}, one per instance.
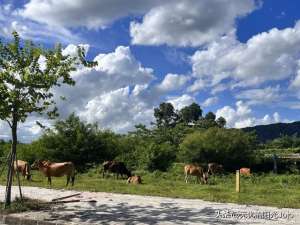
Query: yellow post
{"type": "Point", "coordinates": [237, 183]}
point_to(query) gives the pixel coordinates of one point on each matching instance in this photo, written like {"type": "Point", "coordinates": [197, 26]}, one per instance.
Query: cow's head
{"type": "Point", "coordinates": [37, 164]}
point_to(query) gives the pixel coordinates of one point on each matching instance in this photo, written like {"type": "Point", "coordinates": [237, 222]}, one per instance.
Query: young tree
{"type": "Point", "coordinates": [26, 86]}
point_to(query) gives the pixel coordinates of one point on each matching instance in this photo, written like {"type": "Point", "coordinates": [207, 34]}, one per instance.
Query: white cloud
{"type": "Point", "coordinates": [242, 116]}
{"type": "Point", "coordinates": [268, 56]}
{"type": "Point", "coordinates": [115, 70]}
{"type": "Point", "coordinates": [26, 131]}
{"type": "Point", "coordinates": [80, 13]}
{"type": "Point", "coordinates": [210, 101]}
{"type": "Point", "coordinates": [194, 22]}
{"type": "Point", "coordinates": [189, 22]}
{"type": "Point", "coordinates": [115, 93]}
{"type": "Point", "coordinates": [181, 101]}
{"type": "Point", "coordinates": [173, 82]}
{"type": "Point", "coordinates": [268, 95]}
{"type": "Point", "coordinates": [295, 81]}
{"type": "Point", "coordinates": [117, 110]}
{"type": "Point", "coordinates": [11, 21]}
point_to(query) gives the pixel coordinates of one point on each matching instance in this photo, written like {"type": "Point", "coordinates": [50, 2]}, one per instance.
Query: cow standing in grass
{"type": "Point", "coordinates": [214, 168]}
{"type": "Point", "coordinates": [50, 169]}
{"type": "Point", "coordinates": [117, 168]}
{"type": "Point", "coordinates": [194, 170]}
{"type": "Point", "coordinates": [22, 167]}
{"type": "Point", "coordinates": [245, 171]}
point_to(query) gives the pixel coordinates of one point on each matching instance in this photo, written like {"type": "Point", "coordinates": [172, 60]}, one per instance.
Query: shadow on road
{"type": "Point", "coordinates": [135, 214]}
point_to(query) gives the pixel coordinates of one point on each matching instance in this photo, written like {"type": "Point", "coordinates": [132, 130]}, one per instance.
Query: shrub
{"type": "Point", "coordinates": [230, 147]}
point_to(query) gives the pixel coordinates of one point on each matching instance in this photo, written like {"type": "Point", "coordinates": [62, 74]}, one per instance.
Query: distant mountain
{"type": "Point", "coordinates": [275, 130]}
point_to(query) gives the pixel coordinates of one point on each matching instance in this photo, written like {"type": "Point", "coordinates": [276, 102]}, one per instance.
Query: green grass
{"type": "Point", "coordinates": [264, 189]}
{"type": "Point", "coordinates": [26, 204]}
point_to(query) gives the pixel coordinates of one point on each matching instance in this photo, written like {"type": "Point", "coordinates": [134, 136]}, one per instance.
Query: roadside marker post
{"type": "Point", "coordinates": [237, 181]}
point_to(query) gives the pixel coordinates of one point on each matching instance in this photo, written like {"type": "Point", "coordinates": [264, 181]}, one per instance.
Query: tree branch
{"type": "Point", "coordinates": [9, 123]}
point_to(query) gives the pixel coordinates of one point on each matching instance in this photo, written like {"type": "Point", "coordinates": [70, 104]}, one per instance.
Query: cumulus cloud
{"type": "Point", "coordinates": [11, 21]}
{"type": "Point", "coordinates": [268, 95]}
{"type": "Point", "coordinates": [268, 56]}
{"type": "Point", "coordinates": [242, 116]}
{"type": "Point", "coordinates": [189, 23]}
{"type": "Point", "coordinates": [181, 101]}
{"type": "Point", "coordinates": [210, 101]}
{"type": "Point", "coordinates": [193, 22]}
{"type": "Point", "coordinates": [118, 110]}
{"type": "Point", "coordinates": [115, 70]}
{"type": "Point", "coordinates": [173, 82]}
{"type": "Point", "coordinates": [116, 93]}
{"type": "Point", "coordinates": [79, 13]}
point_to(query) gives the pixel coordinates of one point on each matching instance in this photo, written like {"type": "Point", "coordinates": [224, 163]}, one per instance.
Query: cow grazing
{"type": "Point", "coordinates": [197, 171]}
{"type": "Point", "coordinates": [245, 171]}
{"type": "Point", "coordinates": [22, 167]}
{"type": "Point", "coordinates": [134, 180]}
{"type": "Point", "coordinates": [50, 169]}
{"type": "Point", "coordinates": [214, 168]}
{"type": "Point", "coordinates": [117, 168]}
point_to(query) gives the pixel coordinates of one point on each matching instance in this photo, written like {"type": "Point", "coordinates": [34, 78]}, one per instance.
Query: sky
{"type": "Point", "coordinates": [237, 58]}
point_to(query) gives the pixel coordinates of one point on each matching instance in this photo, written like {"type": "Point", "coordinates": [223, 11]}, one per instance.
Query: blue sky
{"type": "Point", "coordinates": [237, 58]}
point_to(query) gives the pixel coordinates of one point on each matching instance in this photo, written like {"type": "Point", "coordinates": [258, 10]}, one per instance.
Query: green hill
{"type": "Point", "coordinates": [272, 131]}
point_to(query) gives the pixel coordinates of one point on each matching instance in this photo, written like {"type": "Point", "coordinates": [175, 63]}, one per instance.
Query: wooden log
{"type": "Point", "coordinates": [70, 201]}
{"type": "Point", "coordinates": [68, 196]}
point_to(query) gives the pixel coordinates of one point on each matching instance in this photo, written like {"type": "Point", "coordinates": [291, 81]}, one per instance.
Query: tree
{"type": "Point", "coordinates": [231, 147]}
{"type": "Point", "coordinates": [76, 141]}
{"type": "Point", "coordinates": [190, 113]}
{"type": "Point", "coordinates": [165, 115]}
{"type": "Point", "coordinates": [26, 87]}
{"type": "Point", "coordinates": [210, 116]}
{"type": "Point", "coordinates": [221, 122]}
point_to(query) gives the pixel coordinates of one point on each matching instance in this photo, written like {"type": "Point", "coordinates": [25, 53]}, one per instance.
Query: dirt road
{"type": "Point", "coordinates": [132, 209]}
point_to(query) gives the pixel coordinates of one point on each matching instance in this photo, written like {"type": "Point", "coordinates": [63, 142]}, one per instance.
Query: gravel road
{"type": "Point", "coordinates": [112, 208]}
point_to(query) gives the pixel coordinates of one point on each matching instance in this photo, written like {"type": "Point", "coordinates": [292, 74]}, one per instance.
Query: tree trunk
{"type": "Point", "coordinates": [11, 162]}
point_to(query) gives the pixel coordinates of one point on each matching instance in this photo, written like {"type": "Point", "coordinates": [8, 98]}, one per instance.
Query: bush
{"type": "Point", "coordinates": [158, 156]}
{"type": "Point", "coordinates": [83, 144]}
{"type": "Point", "coordinates": [230, 147]}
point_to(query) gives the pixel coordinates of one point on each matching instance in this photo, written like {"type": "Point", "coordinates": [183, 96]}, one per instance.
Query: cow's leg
{"type": "Point", "coordinates": [68, 179]}
{"type": "Point", "coordinates": [186, 178]}
{"type": "Point", "coordinates": [49, 181]}
{"type": "Point", "coordinates": [73, 179]}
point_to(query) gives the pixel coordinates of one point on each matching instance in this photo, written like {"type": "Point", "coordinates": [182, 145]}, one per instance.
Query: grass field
{"type": "Point", "coordinates": [264, 189]}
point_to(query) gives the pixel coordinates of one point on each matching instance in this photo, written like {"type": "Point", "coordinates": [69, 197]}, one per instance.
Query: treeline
{"type": "Point", "coordinates": [176, 136]}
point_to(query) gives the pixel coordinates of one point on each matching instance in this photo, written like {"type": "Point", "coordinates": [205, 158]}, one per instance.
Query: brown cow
{"type": "Point", "coordinates": [50, 169]}
{"type": "Point", "coordinates": [23, 168]}
{"type": "Point", "coordinates": [134, 180]}
{"type": "Point", "coordinates": [214, 168]}
{"type": "Point", "coordinates": [245, 171]}
{"type": "Point", "coordinates": [197, 171]}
